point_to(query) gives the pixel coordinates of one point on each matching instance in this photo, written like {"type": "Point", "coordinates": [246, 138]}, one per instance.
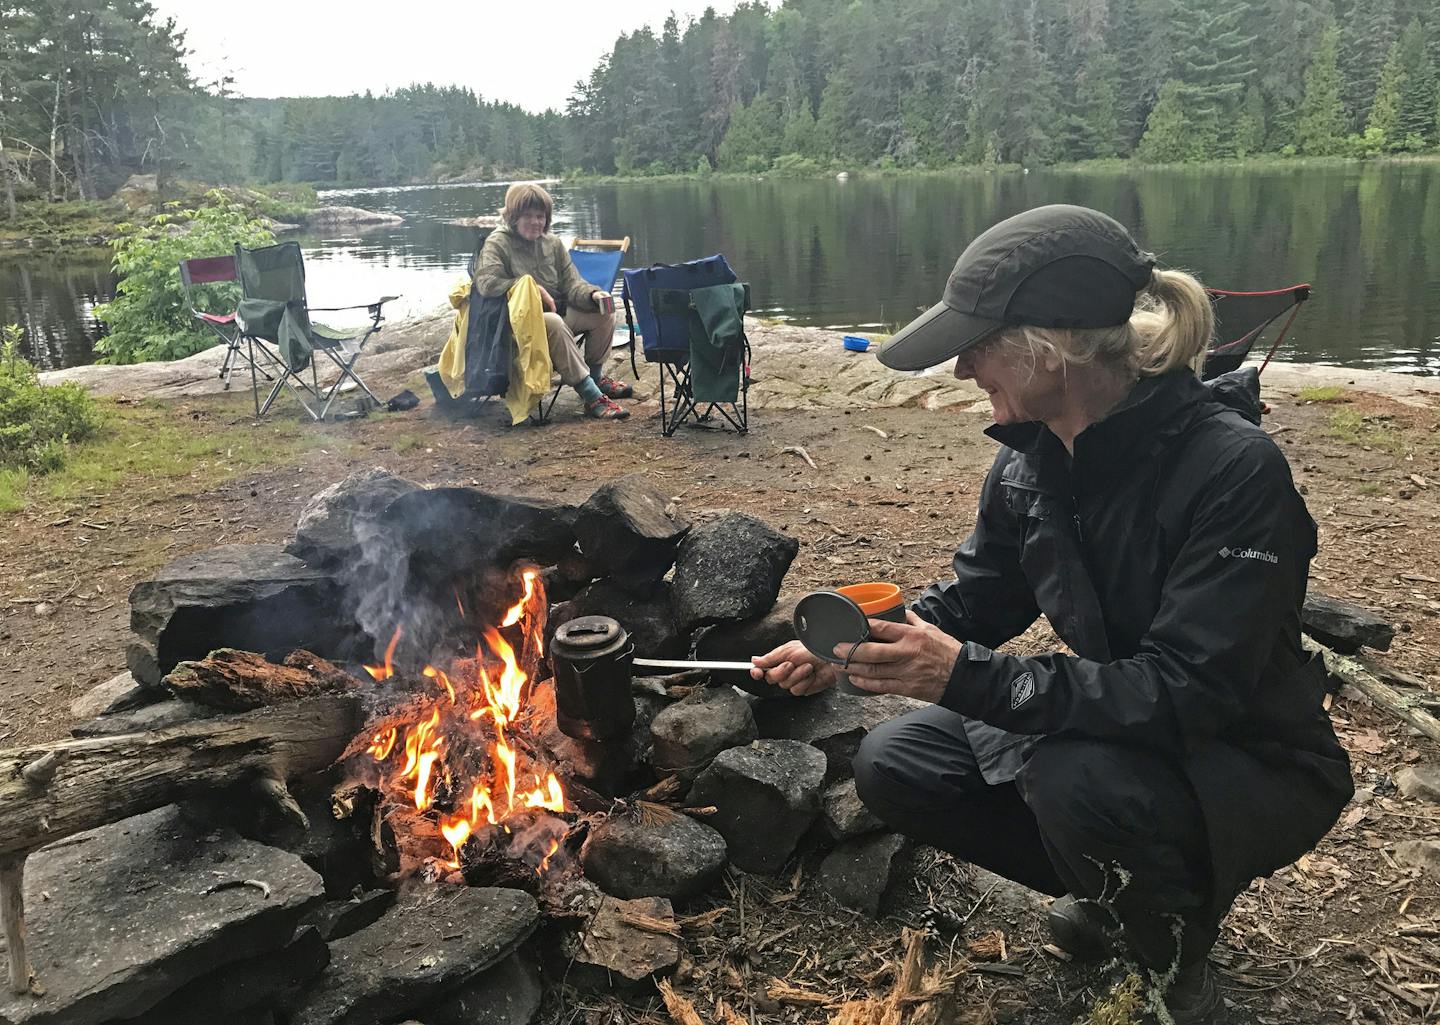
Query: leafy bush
{"type": "Point", "coordinates": [36, 421]}
{"type": "Point", "coordinates": [793, 165]}
{"type": "Point", "coordinates": [148, 319]}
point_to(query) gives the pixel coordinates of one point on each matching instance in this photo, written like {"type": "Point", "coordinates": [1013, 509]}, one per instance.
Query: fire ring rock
{"type": "Point", "coordinates": [428, 945]}
{"type": "Point", "coordinates": [630, 529]}
{"type": "Point", "coordinates": [252, 597]}
{"type": "Point", "coordinates": [649, 621]}
{"type": "Point", "coordinates": [334, 524]}
{"type": "Point", "coordinates": [685, 736]}
{"type": "Point", "coordinates": [766, 796]}
{"type": "Point", "coordinates": [859, 871]}
{"type": "Point", "coordinates": [730, 569]}
{"type": "Point", "coordinates": [658, 854]}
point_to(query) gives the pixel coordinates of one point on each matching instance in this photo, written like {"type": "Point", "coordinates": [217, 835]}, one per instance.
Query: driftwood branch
{"type": "Point", "coordinates": [1351, 671]}
{"type": "Point", "coordinates": [88, 783]}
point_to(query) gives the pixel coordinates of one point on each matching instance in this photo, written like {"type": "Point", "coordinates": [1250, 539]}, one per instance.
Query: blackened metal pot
{"type": "Point", "coordinates": [591, 657]}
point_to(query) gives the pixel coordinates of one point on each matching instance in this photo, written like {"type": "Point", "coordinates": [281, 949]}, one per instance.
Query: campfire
{"type": "Point", "coordinates": [456, 755]}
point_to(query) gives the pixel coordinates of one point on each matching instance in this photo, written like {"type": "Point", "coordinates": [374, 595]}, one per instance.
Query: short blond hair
{"type": "Point", "coordinates": [523, 196]}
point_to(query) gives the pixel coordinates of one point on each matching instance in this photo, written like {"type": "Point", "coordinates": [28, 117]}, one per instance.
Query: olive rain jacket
{"type": "Point", "coordinates": [508, 256]}
{"type": "Point", "coordinates": [1170, 554]}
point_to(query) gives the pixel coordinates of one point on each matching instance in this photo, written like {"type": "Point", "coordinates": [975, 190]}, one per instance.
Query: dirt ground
{"type": "Point", "coordinates": [1344, 935]}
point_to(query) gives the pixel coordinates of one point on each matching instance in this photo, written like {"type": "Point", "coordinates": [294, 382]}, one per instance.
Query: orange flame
{"type": "Point", "coordinates": [384, 672]}
{"type": "Point", "coordinates": [429, 769]}
{"type": "Point", "coordinates": [518, 609]}
{"type": "Point", "coordinates": [438, 675]}
{"type": "Point", "coordinates": [545, 861]}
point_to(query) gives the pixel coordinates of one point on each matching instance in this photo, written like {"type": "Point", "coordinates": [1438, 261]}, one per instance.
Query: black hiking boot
{"type": "Point", "coordinates": [1081, 928]}
{"type": "Point", "coordinates": [1194, 997]}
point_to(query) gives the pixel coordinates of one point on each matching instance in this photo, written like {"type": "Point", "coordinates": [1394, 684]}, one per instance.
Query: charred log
{"type": "Point", "coordinates": [242, 680]}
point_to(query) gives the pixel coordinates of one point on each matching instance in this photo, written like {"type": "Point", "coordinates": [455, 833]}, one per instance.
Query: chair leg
{"type": "Point", "coordinates": [347, 370]}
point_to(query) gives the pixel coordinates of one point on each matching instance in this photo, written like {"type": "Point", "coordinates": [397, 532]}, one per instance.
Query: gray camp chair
{"type": "Point", "coordinates": [274, 318]}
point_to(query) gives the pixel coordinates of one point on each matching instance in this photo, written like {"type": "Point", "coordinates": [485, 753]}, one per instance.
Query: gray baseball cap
{"type": "Point", "coordinates": [1053, 266]}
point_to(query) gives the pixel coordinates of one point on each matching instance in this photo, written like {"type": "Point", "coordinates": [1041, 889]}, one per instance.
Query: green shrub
{"type": "Point", "coordinates": [793, 165]}
{"type": "Point", "coordinates": [37, 422]}
{"type": "Point", "coordinates": [148, 319]}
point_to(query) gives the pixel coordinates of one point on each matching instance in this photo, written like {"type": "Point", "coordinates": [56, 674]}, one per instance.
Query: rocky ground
{"type": "Point", "coordinates": [876, 475]}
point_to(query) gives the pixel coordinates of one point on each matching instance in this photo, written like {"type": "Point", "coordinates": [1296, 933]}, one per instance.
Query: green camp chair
{"type": "Point", "coordinates": [273, 311]}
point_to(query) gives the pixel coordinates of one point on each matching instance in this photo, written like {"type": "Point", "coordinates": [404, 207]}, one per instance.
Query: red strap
{"type": "Point", "coordinates": [1279, 338]}
{"type": "Point", "coordinates": [218, 318]}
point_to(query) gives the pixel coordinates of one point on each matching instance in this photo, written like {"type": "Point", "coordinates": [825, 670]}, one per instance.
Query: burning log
{"type": "Point", "coordinates": [241, 680]}
{"type": "Point", "coordinates": [52, 791]}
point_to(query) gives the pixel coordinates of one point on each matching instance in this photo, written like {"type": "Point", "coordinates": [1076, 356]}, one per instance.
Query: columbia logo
{"type": "Point", "coordinates": [1248, 553]}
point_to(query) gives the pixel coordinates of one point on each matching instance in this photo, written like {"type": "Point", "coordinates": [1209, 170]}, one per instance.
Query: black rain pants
{"type": "Point", "coordinates": [1097, 820]}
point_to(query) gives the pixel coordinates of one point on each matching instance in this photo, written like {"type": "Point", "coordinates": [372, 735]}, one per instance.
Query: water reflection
{"type": "Point", "coordinates": [868, 253]}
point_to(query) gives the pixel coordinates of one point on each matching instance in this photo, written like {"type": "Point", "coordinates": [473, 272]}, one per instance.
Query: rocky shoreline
{"type": "Point", "coordinates": [795, 368]}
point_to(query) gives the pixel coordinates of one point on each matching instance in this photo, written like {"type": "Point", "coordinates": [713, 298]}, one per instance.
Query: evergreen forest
{"type": "Point", "coordinates": [92, 91]}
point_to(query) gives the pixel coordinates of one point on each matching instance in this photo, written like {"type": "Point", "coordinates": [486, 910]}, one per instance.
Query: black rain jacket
{"type": "Point", "coordinates": [1171, 556]}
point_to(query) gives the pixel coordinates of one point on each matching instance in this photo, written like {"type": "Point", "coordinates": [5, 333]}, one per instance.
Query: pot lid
{"type": "Point", "coordinates": [589, 633]}
{"type": "Point", "coordinates": [825, 620]}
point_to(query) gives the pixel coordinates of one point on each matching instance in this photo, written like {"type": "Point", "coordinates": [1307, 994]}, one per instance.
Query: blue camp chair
{"type": "Point", "coordinates": [598, 260]}
{"type": "Point", "coordinates": [661, 305]}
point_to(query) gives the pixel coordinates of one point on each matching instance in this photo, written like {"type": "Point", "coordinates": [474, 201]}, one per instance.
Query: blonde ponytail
{"type": "Point", "coordinates": [1170, 328]}
{"type": "Point", "coordinates": [1175, 326]}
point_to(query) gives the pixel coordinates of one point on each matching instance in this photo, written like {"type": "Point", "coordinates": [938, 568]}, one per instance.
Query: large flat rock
{"type": "Point", "coordinates": [431, 943]}
{"type": "Point", "coordinates": [122, 916]}
{"type": "Point", "coordinates": [834, 722]}
{"type": "Point", "coordinates": [251, 597]}
{"type": "Point", "coordinates": [335, 524]}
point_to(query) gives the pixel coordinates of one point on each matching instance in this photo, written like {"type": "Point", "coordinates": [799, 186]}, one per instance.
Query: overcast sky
{"type": "Point", "coordinates": [308, 48]}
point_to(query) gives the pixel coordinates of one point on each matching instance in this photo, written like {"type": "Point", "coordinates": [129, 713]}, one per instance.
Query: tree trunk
{"type": "Point", "coordinates": [52, 791]}
{"type": "Point", "coordinates": [54, 135]}
{"type": "Point", "coordinates": [9, 179]}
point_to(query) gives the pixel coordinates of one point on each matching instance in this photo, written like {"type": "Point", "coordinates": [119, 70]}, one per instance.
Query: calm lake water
{"type": "Point", "coordinates": [867, 253]}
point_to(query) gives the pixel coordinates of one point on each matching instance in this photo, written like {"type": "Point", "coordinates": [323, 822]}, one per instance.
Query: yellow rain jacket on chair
{"type": "Point", "coordinates": [530, 367]}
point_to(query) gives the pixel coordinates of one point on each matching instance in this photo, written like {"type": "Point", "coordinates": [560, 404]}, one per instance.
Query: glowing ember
{"type": "Point", "coordinates": [463, 754]}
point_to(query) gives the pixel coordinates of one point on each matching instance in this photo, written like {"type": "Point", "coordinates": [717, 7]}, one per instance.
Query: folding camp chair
{"type": "Point", "coordinates": [218, 270]}
{"type": "Point", "coordinates": [598, 260]}
{"type": "Point", "coordinates": [691, 316]}
{"type": "Point", "coordinates": [1241, 318]}
{"type": "Point", "coordinates": [274, 311]}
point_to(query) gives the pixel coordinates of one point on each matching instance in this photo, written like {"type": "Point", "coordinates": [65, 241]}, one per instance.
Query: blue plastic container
{"type": "Point", "coordinates": [856, 344]}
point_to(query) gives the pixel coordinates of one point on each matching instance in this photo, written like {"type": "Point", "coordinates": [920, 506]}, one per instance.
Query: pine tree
{"type": "Point", "coordinates": [1097, 132]}
{"type": "Point", "coordinates": [1249, 135]}
{"type": "Point", "coordinates": [1322, 126]}
{"type": "Point", "coordinates": [752, 140]}
{"type": "Point", "coordinates": [1415, 118]}
{"type": "Point", "coordinates": [1385, 109]}
{"type": "Point", "coordinates": [1369, 34]}
{"type": "Point", "coordinates": [1213, 64]}
{"type": "Point", "coordinates": [1168, 135]}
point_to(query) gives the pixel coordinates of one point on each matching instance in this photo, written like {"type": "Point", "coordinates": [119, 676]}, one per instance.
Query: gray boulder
{"type": "Point", "coordinates": [832, 721]}
{"type": "Point", "coordinates": [508, 994]}
{"type": "Point", "coordinates": [655, 855]}
{"type": "Point", "coordinates": [859, 871]}
{"type": "Point", "coordinates": [766, 796]}
{"type": "Point", "coordinates": [1421, 854]}
{"type": "Point", "coordinates": [843, 815]}
{"type": "Point", "coordinates": [1343, 625]}
{"type": "Point", "coordinates": [252, 597]}
{"type": "Point", "coordinates": [737, 642]}
{"type": "Point", "coordinates": [649, 620]}
{"type": "Point", "coordinates": [170, 712]}
{"type": "Point", "coordinates": [333, 523]}
{"type": "Point", "coordinates": [122, 916]}
{"type": "Point", "coordinates": [429, 944]}
{"type": "Point", "coordinates": [118, 694]}
{"type": "Point", "coordinates": [629, 529]}
{"type": "Point", "coordinates": [454, 530]}
{"type": "Point", "coordinates": [685, 736]}
{"type": "Point", "coordinates": [611, 953]}
{"type": "Point", "coordinates": [1421, 782]}
{"type": "Point", "coordinates": [730, 569]}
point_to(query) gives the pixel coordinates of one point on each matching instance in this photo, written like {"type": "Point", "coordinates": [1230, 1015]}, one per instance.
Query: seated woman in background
{"type": "Point", "coordinates": [523, 245]}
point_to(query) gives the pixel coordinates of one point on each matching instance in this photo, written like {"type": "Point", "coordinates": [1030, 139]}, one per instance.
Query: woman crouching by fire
{"type": "Point", "coordinates": [1183, 749]}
